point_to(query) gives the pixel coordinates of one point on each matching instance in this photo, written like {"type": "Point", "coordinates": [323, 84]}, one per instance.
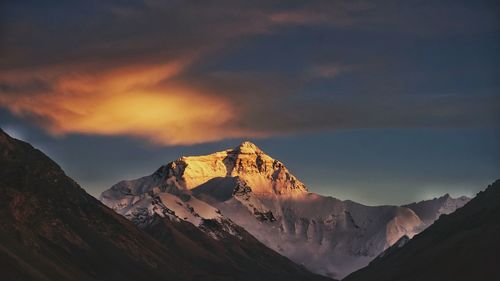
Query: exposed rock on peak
{"type": "Point", "coordinates": [247, 147]}
{"type": "Point", "coordinates": [263, 174]}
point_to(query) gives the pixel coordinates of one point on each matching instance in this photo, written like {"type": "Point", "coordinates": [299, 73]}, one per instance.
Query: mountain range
{"type": "Point", "coordinates": [238, 214]}
{"type": "Point", "coordinates": [430, 210]}
{"type": "Point", "coordinates": [463, 245]}
{"type": "Point", "coordinates": [51, 229]}
{"type": "Point", "coordinates": [244, 187]}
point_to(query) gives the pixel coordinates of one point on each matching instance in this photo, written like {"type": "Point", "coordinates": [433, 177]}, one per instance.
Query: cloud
{"type": "Point", "coordinates": [329, 70]}
{"type": "Point", "coordinates": [136, 101]}
{"type": "Point", "coordinates": [336, 13]}
{"type": "Point", "coordinates": [107, 68]}
{"type": "Point", "coordinates": [162, 70]}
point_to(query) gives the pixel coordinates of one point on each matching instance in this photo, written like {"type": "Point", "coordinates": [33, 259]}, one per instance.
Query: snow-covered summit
{"type": "Point", "coordinates": [246, 186]}
{"type": "Point", "coordinates": [265, 175]}
{"type": "Point", "coordinates": [248, 147]}
{"type": "Point", "coordinates": [245, 166]}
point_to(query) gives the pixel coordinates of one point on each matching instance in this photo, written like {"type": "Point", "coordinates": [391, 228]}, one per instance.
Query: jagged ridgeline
{"type": "Point", "coordinates": [51, 229]}
{"type": "Point", "coordinates": [460, 246]}
{"type": "Point", "coordinates": [246, 187]}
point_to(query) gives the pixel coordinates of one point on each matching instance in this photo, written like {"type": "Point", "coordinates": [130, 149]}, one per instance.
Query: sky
{"type": "Point", "coordinates": [380, 102]}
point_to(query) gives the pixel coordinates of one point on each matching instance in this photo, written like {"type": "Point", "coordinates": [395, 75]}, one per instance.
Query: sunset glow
{"type": "Point", "coordinates": [363, 97]}
{"type": "Point", "coordinates": [131, 101]}
{"type": "Point", "coordinates": [249, 140]}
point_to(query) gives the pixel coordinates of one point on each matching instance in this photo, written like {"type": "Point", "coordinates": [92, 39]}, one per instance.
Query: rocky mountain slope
{"type": "Point", "coordinates": [51, 229]}
{"type": "Point", "coordinates": [430, 210]}
{"type": "Point", "coordinates": [463, 245]}
{"type": "Point", "coordinates": [246, 186]}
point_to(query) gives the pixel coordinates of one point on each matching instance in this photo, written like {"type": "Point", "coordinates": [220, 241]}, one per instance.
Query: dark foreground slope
{"type": "Point", "coordinates": [51, 229]}
{"type": "Point", "coordinates": [464, 245]}
{"type": "Point", "coordinates": [241, 258]}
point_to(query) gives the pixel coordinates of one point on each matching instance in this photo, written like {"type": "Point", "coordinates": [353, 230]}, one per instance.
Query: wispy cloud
{"type": "Point", "coordinates": [329, 70]}
{"type": "Point", "coordinates": [136, 101]}
{"type": "Point", "coordinates": [111, 73]}
{"type": "Point", "coordinates": [142, 68]}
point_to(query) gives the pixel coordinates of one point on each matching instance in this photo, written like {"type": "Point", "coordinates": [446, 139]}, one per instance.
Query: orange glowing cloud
{"type": "Point", "coordinates": [128, 101]}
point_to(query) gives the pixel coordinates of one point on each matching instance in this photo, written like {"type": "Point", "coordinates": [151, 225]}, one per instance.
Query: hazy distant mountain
{"type": "Point", "coordinates": [430, 210]}
{"type": "Point", "coordinates": [257, 192]}
{"type": "Point", "coordinates": [464, 245]}
{"type": "Point", "coordinates": [51, 229]}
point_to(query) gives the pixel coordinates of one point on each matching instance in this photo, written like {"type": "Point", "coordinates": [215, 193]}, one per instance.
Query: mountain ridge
{"type": "Point", "coordinates": [255, 191]}
{"type": "Point", "coordinates": [51, 229]}
{"type": "Point", "coordinates": [463, 245]}
{"type": "Point", "coordinates": [430, 210]}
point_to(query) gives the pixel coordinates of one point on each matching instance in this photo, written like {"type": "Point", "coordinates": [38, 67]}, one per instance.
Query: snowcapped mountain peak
{"type": "Point", "coordinates": [257, 171]}
{"type": "Point", "coordinates": [246, 186]}
{"type": "Point", "coordinates": [247, 147]}
{"type": "Point", "coordinates": [262, 173]}
{"type": "Point", "coordinates": [244, 173]}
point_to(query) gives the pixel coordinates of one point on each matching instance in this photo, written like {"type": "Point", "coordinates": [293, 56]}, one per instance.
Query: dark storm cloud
{"type": "Point", "coordinates": [320, 65]}
{"type": "Point", "coordinates": [56, 31]}
{"type": "Point", "coordinates": [123, 31]}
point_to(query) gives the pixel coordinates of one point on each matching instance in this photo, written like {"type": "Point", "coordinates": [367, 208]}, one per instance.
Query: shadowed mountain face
{"type": "Point", "coordinates": [430, 210]}
{"type": "Point", "coordinates": [461, 246]}
{"type": "Point", "coordinates": [232, 258]}
{"type": "Point", "coordinates": [51, 229]}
